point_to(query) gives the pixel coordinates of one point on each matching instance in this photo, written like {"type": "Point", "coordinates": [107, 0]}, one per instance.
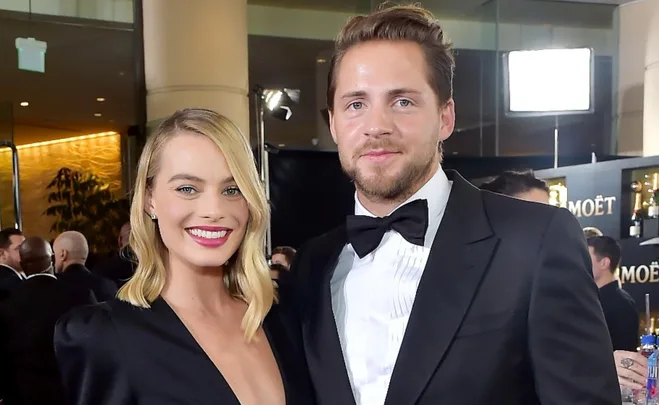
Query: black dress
{"type": "Point", "coordinates": [117, 354]}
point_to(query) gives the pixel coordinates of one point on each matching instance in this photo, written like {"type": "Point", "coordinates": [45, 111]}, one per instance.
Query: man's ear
{"type": "Point", "coordinates": [447, 116]}
{"type": "Point", "coordinates": [331, 125]}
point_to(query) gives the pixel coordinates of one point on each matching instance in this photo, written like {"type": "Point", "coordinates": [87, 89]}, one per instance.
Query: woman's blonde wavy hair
{"type": "Point", "coordinates": [246, 275]}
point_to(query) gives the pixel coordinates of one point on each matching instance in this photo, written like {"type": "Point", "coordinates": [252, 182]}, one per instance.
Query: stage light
{"type": "Point", "coordinates": [548, 82]}
{"type": "Point", "coordinates": [279, 102]}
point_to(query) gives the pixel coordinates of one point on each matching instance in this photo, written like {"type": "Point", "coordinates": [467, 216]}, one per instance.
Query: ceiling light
{"type": "Point", "coordinates": [321, 60]}
{"type": "Point", "coordinates": [97, 114]}
{"type": "Point", "coordinates": [24, 104]}
{"type": "Point", "coordinates": [100, 99]}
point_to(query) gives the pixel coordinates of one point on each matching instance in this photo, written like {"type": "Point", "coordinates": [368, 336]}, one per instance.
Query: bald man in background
{"type": "Point", "coordinates": [71, 251]}
{"type": "Point", "coordinates": [27, 318]}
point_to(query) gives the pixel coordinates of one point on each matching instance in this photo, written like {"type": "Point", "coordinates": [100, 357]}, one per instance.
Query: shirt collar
{"type": "Point", "coordinates": [41, 274]}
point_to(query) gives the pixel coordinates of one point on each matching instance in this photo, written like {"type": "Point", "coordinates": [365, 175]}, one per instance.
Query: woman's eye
{"type": "Point", "coordinates": [186, 190]}
{"type": "Point", "coordinates": [232, 191]}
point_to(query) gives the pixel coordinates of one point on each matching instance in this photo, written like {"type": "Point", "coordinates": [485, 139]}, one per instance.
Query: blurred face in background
{"type": "Point", "coordinates": [534, 194]}
{"type": "Point", "coordinates": [11, 256]}
{"type": "Point", "coordinates": [279, 258]}
{"type": "Point", "coordinates": [124, 235]}
{"type": "Point", "coordinates": [600, 265]}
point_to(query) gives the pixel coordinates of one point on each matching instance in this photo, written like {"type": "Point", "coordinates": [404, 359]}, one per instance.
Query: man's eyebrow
{"type": "Point", "coordinates": [352, 94]}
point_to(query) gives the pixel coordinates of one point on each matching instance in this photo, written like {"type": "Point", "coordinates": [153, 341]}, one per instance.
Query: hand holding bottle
{"type": "Point", "coordinates": [632, 369]}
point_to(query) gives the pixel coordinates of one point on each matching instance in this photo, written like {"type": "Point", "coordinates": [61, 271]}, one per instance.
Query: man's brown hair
{"type": "Point", "coordinates": [399, 23]}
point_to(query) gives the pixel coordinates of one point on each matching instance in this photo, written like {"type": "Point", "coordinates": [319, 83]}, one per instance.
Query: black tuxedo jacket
{"type": "Point", "coordinates": [506, 312]}
{"type": "Point", "coordinates": [9, 281]}
{"type": "Point", "coordinates": [27, 322]}
{"type": "Point", "coordinates": [117, 354]}
{"type": "Point", "coordinates": [78, 275]}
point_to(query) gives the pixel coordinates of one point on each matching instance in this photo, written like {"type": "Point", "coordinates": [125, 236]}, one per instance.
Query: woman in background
{"type": "Point", "coordinates": [192, 326]}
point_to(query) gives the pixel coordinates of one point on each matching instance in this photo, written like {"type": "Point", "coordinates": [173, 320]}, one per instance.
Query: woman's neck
{"type": "Point", "coordinates": [195, 288]}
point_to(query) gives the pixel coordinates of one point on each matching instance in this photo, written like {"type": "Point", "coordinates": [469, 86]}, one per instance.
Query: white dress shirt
{"type": "Point", "coordinates": [372, 297]}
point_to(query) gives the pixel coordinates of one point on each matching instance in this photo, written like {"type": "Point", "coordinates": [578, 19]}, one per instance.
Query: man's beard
{"type": "Point", "coordinates": [379, 186]}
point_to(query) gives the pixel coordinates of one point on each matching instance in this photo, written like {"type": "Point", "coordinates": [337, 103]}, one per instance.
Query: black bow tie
{"type": "Point", "coordinates": [410, 221]}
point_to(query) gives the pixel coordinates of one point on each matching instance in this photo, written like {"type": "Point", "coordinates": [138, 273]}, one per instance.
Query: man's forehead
{"type": "Point", "coordinates": [381, 62]}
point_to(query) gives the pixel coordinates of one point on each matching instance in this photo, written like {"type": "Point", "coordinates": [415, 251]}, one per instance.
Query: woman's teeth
{"type": "Point", "coordinates": [208, 234]}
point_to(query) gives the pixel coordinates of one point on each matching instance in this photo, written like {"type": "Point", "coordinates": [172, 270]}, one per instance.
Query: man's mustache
{"type": "Point", "coordinates": [378, 145]}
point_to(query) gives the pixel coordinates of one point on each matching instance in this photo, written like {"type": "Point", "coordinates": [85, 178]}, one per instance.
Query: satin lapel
{"type": "Point", "coordinates": [320, 335]}
{"type": "Point", "coordinates": [458, 260]}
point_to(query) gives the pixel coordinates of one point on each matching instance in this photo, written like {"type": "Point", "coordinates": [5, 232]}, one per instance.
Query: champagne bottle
{"type": "Point", "coordinates": [636, 229]}
{"type": "Point", "coordinates": [653, 204]}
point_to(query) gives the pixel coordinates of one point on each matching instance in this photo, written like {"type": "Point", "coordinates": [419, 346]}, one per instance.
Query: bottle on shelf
{"type": "Point", "coordinates": [636, 228]}
{"type": "Point", "coordinates": [653, 203]}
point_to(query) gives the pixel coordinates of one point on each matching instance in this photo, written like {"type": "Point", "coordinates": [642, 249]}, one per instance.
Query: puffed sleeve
{"type": "Point", "coordinates": [88, 357]}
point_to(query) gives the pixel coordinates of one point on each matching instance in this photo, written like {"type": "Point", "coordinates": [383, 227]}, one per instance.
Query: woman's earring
{"type": "Point", "coordinates": [153, 216]}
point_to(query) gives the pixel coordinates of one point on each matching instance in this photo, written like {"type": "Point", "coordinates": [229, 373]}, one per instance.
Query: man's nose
{"type": "Point", "coordinates": [379, 121]}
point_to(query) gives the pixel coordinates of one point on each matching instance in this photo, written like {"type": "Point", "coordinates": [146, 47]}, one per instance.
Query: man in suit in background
{"type": "Point", "coordinates": [120, 266]}
{"type": "Point", "coordinates": [71, 250]}
{"type": "Point", "coordinates": [435, 292]}
{"type": "Point", "coordinates": [618, 306]}
{"type": "Point", "coordinates": [10, 268]}
{"type": "Point", "coordinates": [27, 320]}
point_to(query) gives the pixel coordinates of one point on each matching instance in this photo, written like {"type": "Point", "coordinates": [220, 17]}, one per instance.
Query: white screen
{"type": "Point", "coordinates": [549, 80]}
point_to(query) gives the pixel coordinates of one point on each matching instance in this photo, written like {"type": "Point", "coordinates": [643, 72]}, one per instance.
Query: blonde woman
{"type": "Point", "coordinates": [195, 324]}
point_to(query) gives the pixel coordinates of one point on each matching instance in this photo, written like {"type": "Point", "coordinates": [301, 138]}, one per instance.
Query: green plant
{"type": "Point", "coordinates": [83, 202]}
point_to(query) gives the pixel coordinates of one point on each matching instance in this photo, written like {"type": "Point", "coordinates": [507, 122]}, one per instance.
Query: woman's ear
{"type": "Point", "coordinates": [149, 205]}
